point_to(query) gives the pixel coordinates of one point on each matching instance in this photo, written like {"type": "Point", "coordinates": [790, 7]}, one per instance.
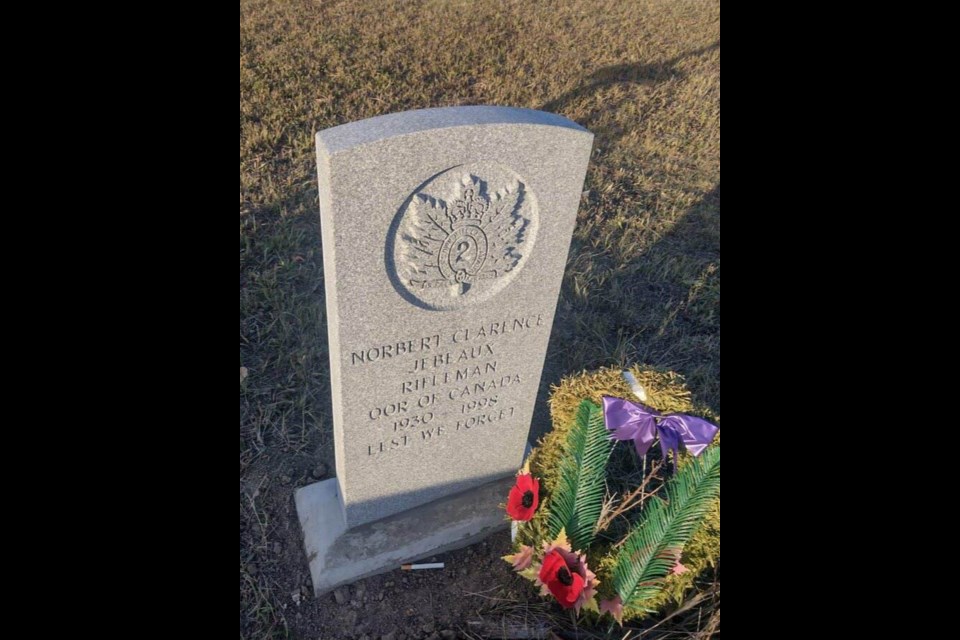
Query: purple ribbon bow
{"type": "Point", "coordinates": [631, 421]}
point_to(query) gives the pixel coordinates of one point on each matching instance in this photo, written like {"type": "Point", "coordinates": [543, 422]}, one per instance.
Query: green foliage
{"type": "Point", "coordinates": [651, 550]}
{"type": "Point", "coordinates": [578, 498]}
{"type": "Point", "coordinates": [668, 392]}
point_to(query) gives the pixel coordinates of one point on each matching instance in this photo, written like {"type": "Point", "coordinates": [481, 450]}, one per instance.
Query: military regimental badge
{"type": "Point", "coordinates": [464, 235]}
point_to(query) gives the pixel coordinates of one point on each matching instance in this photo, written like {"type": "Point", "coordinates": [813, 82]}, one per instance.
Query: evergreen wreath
{"type": "Point", "coordinates": [601, 530]}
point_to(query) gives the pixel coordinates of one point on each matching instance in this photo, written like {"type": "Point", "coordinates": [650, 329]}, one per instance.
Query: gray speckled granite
{"type": "Point", "coordinates": [445, 235]}
{"type": "Point", "coordinates": [338, 555]}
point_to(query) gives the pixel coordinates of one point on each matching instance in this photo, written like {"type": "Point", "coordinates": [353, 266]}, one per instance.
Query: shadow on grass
{"type": "Point", "coordinates": [283, 341]}
{"type": "Point", "coordinates": [634, 73]}
{"type": "Point", "coordinates": [660, 309]}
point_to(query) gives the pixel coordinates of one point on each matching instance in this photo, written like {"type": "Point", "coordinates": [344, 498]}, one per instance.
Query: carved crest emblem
{"type": "Point", "coordinates": [452, 245]}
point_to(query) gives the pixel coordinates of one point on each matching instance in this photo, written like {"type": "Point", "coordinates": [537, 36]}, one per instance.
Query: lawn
{"type": "Point", "coordinates": [642, 282]}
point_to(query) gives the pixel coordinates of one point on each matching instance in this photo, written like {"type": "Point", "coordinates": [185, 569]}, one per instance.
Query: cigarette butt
{"type": "Point", "coordinates": [417, 567]}
{"type": "Point", "coordinates": [635, 386]}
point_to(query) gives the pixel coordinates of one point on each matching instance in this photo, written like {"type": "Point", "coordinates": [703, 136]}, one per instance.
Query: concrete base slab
{"type": "Point", "coordinates": [340, 556]}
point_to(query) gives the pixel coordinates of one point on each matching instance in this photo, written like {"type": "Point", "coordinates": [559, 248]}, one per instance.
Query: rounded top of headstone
{"type": "Point", "coordinates": [362, 132]}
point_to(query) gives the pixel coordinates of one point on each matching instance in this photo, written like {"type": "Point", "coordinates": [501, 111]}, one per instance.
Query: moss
{"type": "Point", "coordinates": [667, 392]}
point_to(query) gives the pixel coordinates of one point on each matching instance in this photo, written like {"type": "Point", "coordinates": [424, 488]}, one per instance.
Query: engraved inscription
{"type": "Point", "coordinates": [464, 235]}
{"type": "Point", "coordinates": [461, 383]}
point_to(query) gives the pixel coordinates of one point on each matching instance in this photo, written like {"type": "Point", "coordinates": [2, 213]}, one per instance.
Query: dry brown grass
{"type": "Point", "coordinates": [643, 278]}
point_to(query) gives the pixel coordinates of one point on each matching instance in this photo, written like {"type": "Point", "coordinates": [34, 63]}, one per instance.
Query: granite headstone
{"type": "Point", "coordinates": [445, 234]}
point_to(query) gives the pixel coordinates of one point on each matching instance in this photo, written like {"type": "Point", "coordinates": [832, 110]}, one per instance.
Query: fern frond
{"type": "Point", "coordinates": [577, 499]}
{"type": "Point", "coordinates": [650, 550]}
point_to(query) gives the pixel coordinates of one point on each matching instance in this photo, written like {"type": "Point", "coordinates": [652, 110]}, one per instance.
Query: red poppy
{"type": "Point", "coordinates": [524, 497]}
{"type": "Point", "coordinates": [564, 582]}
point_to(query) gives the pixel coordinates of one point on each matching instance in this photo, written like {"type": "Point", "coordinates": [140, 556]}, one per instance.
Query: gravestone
{"type": "Point", "coordinates": [445, 236]}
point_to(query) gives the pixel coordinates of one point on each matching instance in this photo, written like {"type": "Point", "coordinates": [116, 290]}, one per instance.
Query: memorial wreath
{"type": "Point", "coordinates": [617, 530]}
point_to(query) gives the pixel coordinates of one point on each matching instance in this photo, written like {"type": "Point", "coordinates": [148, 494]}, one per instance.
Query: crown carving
{"type": "Point", "coordinates": [469, 208]}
